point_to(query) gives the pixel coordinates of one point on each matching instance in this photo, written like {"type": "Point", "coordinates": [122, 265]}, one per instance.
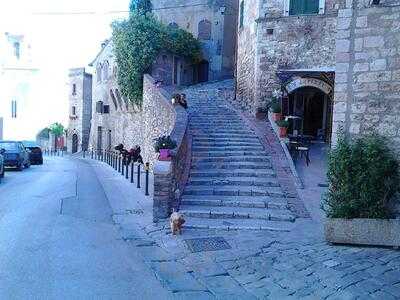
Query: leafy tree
{"type": "Point", "coordinates": [363, 177]}
{"type": "Point", "coordinates": [44, 133]}
{"type": "Point", "coordinates": [137, 42]}
{"type": "Point", "coordinates": [141, 6]}
{"type": "Point", "coordinates": [57, 129]}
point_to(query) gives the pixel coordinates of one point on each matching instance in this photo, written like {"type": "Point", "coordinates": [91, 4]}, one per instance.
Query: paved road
{"type": "Point", "coordinates": [58, 241]}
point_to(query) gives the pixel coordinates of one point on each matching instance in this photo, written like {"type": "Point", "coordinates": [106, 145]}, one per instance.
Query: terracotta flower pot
{"type": "Point", "coordinates": [282, 132]}
{"type": "Point", "coordinates": [277, 116]}
{"type": "Point", "coordinates": [164, 154]}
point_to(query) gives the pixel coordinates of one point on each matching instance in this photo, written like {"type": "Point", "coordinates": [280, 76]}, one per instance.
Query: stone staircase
{"type": "Point", "coordinates": [231, 184]}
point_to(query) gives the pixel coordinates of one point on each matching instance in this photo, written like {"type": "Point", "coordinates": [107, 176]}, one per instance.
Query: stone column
{"type": "Point", "coordinates": [163, 193]}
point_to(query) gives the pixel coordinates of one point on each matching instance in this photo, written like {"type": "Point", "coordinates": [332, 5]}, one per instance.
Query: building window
{"type": "Point", "coordinates": [99, 107]}
{"type": "Point", "coordinates": [98, 73]}
{"type": "Point", "coordinates": [106, 109]}
{"type": "Point", "coordinates": [106, 66]}
{"type": "Point", "coordinates": [74, 89]}
{"type": "Point", "coordinates": [304, 7]}
{"type": "Point", "coordinates": [241, 14]}
{"type": "Point", "coordinates": [204, 29]}
{"type": "Point", "coordinates": [14, 109]}
{"type": "Point", "coordinates": [17, 50]}
{"type": "Point", "coordinates": [73, 110]}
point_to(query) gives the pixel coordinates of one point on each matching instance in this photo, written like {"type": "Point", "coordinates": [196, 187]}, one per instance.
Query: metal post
{"type": "Point", "coordinates": [123, 167]}
{"type": "Point", "coordinates": [119, 163]}
{"type": "Point", "coordinates": [132, 171]}
{"type": "Point", "coordinates": [147, 167]}
{"type": "Point", "coordinates": [84, 153]}
{"type": "Point", "coordinates": [126, 170]}
{"type": "Point", "coordinates": [91, 154]}
{"type": "Point", "coordinates": [138, 176]}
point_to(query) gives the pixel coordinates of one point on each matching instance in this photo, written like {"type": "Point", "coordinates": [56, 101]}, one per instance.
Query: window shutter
{"type": "Point", "coordinates": [321, 7]}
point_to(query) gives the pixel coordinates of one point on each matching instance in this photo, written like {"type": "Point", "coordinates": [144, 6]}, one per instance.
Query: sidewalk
{"type": "Point", "coordinates": [255, 264]}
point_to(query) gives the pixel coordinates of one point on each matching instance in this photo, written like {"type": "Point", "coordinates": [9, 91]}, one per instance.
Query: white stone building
{"type": "Point", "coordinates": [80, 110]}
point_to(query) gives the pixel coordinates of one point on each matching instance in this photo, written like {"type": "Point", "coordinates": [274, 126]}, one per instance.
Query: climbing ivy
{"type": "Point", "coordinates": [137, 42]}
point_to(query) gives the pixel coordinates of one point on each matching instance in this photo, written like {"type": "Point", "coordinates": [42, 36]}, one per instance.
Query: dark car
{"type": "Point", "coordinates": [35, 154]}
{"type": "Point", "coordinates": [15, 155]}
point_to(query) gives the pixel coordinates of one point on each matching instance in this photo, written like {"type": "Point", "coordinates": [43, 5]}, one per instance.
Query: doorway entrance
{"type": "Point", "coordinates": [74, 143]}
{"type": "Point", "coordinates": [314, 109]}
{"type": "Point", "coordinates": [202, 71]}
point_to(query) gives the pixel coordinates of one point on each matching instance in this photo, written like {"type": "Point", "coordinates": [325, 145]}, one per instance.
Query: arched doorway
{"type": "Point", "coordinates": [202, 71]}
{"type": "Point", "coordinates": [74, 143]}
{"type": "Point", "coordinates": [310, 100]}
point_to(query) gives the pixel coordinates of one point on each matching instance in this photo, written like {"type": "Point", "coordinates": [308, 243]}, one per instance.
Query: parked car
{"type": "Point", "coordinates": [15, 155]}
{"type": "Point", "coordinates": [35, 154]}
{"type": "Point", "coordinates": [1, 163]}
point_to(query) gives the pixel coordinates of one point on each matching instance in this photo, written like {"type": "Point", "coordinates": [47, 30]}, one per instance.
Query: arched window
{"type": "Point", "coordinates": [113, 100]}
{"type": "Point", "coordinates": [204, 30]}
{"type": "Point", "coordinates": [98, 72]}
{"type": "Point", "coordinates": [106, 67]}
{"type": "Point", "coordinates": [173, 25]}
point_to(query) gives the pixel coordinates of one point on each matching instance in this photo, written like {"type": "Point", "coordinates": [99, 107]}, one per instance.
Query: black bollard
{"type": "Point", "coordinates": [138, 176]}
{"type": "Point", "coordinates": [115, 161]}
{"type": "Point", "coordinates": [119, 164]}
{"type": "Point", "coordinates": [132, 171]}
{"type": "Point", "coordinates": [123, 167]}
{"type": "Point", "coordinates": [84, 153]}
{"type": "Point", "coordinates": [126, 170]}
{"type": "Point", "coordinates": [147, 167]}
{"type": "Point", "coordinates": [91, 154]}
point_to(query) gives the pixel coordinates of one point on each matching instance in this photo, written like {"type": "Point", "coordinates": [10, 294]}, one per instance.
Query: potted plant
{"type": "Point", "coordinates": [276, 110]}
{"type": "Point", "coordinates": [163, 145]}
{"type": "Point", "coordinates": [363, 179]}
{"type": "Point", "coordinates": [261, 113]}
{"type": "Point", "coordinates": [283, 126]}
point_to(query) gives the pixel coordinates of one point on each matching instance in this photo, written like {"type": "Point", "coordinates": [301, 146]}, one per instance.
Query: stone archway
{"type": "Point", "coordinates": [74, 143]}
{"type": "Point", "coordinates": [310, 99]}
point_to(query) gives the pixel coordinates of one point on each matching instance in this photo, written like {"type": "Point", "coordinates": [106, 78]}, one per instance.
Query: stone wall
{"type": "Point", "coordinates": [271, 41]}
{"type": "Point", "coordinates": [246, 57]}
{"type": "Point", "coordinates": [367, 81]}
{"type": "Point", "coordinates": [218, 45]}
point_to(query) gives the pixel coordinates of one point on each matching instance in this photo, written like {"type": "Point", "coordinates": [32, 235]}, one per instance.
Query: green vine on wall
{"type": "Point", "coordinates": [138, 41]}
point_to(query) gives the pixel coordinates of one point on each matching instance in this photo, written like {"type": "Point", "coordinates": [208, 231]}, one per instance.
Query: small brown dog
{"type": "Point", "coordinates": [176, 221]}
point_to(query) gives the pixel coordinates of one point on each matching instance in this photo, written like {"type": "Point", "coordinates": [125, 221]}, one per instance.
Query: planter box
{"type": "Point", "coordinates": [375, 232]}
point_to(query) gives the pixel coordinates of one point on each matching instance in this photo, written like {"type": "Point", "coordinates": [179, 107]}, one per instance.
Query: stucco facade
{"type": "Point", "coordinates": [80, 110]}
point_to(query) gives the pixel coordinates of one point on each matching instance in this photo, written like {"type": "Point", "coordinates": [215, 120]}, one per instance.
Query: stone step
{"type": "Point", "coordinates": [223, 135]}
{"type": "Point", "coordinates": [238, 201]}
{"type": "Point", "coordinates": [216, 130]}
{"type": "Point", "coordinates": [250, 139]}
{"type": "Point", "coordinates": [231, 159]}
{"type": "Point", "coordinates": [213, 153]}
{"type": "Point", "coordinates": [234, 191]}
{"type": "Point", "coordinates": [233, 181]}
{"type": "Point", "coordinates": [226, 212]}
{"type": "Point", "coordinates": [226, 144]}
{"type": "Point", "coordinates": [233, 173]}
{"type": "Point", "coordinates": [228, 148]}
{"type": "Point", "coordinates": [237, 224]}
{"type": "Point", "coordinates": [230, 165]}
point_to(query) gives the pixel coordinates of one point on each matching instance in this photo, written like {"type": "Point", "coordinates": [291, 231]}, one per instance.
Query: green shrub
{"type": "Point", "coordinates": [282, 123]}
{"type": "Point", "coordinates": [164, 142]}
{"type": "Point", "coordinates": [363, 177]}
{"type": "Point", "coordinates": [275, 106]}
{"type": "Point", "coordinates": [137, 42]}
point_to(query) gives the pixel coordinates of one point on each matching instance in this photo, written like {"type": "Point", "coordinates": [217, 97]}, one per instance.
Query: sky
{"type": "Point", "coordinates": [64, 34]}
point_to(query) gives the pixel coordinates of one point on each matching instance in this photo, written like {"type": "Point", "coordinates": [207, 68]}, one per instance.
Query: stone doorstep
{"type": "Point", "coordinates": [223, 135]}
{"type": "Point", "coordinates": [234, 191]}
{"type": "Point", "coordinates": [226, 144]}
{"type": "Point", "coordinates": [236, 213]}
{"type": "Point", "coordinates": [237, 224]}
{"type": "Point", "coordinates": [212, 153]}
{"type": "Point", "coordinates": [258, 204]}
{"type": "Point", "coordinates": [258, 148]}
{"type": "Point", "coordinates": [230, 166]}
{"type": "Point", "coordinates": [238, 181]}
{"type": "Point", "coordinates": [230, 159]}
{"type": "Point", "coordinates": [226, 139]}
{"type": "Point", "coordinates": [235, 173]}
